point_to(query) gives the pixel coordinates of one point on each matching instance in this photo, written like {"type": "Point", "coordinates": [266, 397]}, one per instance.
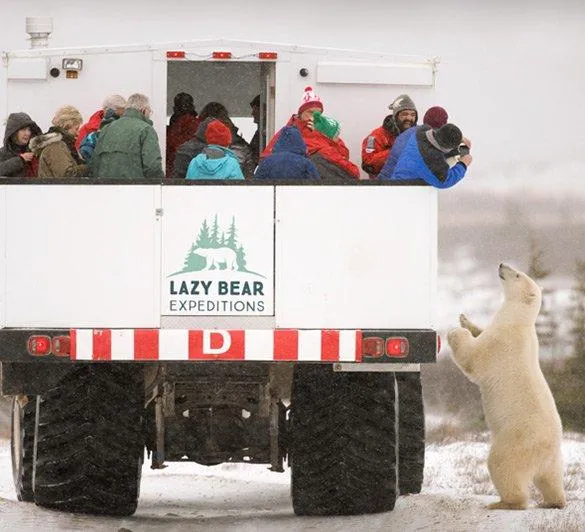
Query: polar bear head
{"type": "Point", "coordinates": [520, 289]}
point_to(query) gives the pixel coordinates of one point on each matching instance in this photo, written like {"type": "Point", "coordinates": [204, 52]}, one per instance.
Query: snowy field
{"type": "Point", "coordinates": [246, 497]}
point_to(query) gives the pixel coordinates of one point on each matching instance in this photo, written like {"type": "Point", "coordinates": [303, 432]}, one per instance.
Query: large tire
{"type": "Point", "coordinates": [90, 441]}
{"type": "Point", "coordinates": [22, 444]}
{"type": "Point", "coordinates": [342, 448]}
{"type": "Point", "coordinates": [411, 433]}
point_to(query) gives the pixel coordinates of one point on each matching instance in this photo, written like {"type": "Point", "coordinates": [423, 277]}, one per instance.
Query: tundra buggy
{"type": "Point", "coordinates": [274, 323]}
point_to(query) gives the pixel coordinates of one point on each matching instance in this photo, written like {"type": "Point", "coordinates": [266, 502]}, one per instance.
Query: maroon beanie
{"type": "Point", "coordinates": [218, 133]}
{"type": "Point", "coordinates": [436, 117]}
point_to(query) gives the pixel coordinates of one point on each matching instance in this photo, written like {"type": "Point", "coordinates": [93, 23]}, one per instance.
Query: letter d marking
{"type": "Point", "coordinates": [226, 342]}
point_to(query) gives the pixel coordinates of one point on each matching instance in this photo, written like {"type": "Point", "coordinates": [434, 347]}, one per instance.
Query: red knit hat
{"type": "Point", "coordinates": [218, 133]}
{"type": "Point", "coordinates": [310, 99]}
{"type": "Point", "coordinates": [435, 117]}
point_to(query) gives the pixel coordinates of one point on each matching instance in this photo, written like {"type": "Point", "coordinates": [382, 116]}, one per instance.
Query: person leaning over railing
{"type": "Point", "coordinates": [425, 157]}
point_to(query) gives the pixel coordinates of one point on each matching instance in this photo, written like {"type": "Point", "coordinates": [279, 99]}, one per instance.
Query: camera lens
{"type": "Point", "coordinates": [463, 149]}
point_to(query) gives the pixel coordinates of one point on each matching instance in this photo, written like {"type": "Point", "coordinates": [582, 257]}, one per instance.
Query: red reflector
{"type": "Point", "coordinates": [221, 55]}
{"type": "Point", "coordinates": [438, 344]}
{"type": "Point", "coordinates": [38, 345]}
{"type": "Point", "coordinates": [373, 346]}
{"type": "Point", "coordinates": [61, 346]}
{"type": "Point", "coordinates": [176, 54]}
{"type": "Point", "coordinates": [267, 55]}
{"type": "Point", "coordinates": [396, 347]}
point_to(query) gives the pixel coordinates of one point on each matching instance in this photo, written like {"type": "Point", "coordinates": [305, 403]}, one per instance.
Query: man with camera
{"type": "Point", "coordinates": [438, 156]}
{"type": "Point", "coordinates": [435, 117]}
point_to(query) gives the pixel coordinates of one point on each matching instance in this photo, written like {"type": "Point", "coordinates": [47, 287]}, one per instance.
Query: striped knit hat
{"type": "Point", "coordinates": [310, 99]}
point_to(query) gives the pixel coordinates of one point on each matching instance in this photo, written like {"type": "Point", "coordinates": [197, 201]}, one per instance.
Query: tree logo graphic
{"type": "Point", "coordinates": [214, 249]}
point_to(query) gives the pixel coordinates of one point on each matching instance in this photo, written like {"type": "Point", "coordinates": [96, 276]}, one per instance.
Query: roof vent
{"type": "Point", "coordinates": [39, 29]}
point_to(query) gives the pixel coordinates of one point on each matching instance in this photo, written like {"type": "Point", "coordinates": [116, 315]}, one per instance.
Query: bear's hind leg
{"type": "Point", "coordinates": [550, 483]}
{"type": "Point", "coordinates": [511, 480]}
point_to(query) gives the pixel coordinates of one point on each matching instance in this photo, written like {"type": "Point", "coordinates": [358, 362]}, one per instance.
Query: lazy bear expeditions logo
{"type": "Point", "coordinates": [215, 278]}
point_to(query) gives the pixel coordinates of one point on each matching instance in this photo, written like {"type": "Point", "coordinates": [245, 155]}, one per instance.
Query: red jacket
{"type": "Point", "coordinates": [375, 150]}
{"type": "Point", "coordinates": [32, 169]}
{"type": "Point", "coordinates": [332, 150]}
{"type": "Point", "coordinates": [93, 124]}
{"type": "Point", "coordinates": [183, 129]}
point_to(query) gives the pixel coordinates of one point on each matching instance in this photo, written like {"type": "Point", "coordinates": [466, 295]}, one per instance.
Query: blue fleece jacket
{"type": "Point", "coordinates": [288, 159]}
{"type": "Point", "coordinates": [397, 148]}
{"type": "Point", "coordinates": [419, 159]}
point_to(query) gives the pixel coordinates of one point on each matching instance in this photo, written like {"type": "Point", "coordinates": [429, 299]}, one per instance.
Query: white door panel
{"type": "Point", "coordinates": [82, 256]}
{"type": "Point", "coordinates": [360, 257]}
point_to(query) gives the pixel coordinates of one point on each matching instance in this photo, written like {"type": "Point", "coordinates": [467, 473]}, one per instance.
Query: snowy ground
{"type": "Point", "coordinates": [251, 498]}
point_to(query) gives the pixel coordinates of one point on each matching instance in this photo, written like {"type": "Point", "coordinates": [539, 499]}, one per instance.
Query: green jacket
{"type": "Point", "coordinates": [127, 149]}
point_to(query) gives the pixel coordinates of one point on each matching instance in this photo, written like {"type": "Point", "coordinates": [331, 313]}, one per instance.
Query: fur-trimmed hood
{"type": "Point", "coordinates": [40, 142]}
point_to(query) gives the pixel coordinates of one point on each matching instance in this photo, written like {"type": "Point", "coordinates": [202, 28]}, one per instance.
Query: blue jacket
{"type": "Point", "coordinates": [288, 159]}
{"type": "Point", "coordinates": [214, 162]}
{"type": "Point", "coordinates": [397, 148]}
{"type": "Point", "coordinates": [421, 160]}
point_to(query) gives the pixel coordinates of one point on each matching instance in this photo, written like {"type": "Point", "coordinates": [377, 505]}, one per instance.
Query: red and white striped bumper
{"type": "Point", "coordinates": [213, 344]}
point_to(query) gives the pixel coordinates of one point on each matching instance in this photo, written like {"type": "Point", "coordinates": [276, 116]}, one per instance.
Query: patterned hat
{"type": "Point", "coordinates": [402, 103]}
{"type": "Point", "coordinates": [310, 99]}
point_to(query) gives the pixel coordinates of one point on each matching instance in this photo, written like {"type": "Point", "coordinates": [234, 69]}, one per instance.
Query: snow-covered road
{"type": "Point", "coordinates": [251, 498]}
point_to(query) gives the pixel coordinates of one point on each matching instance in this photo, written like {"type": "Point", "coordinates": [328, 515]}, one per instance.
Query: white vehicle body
{"type": "Point", "coordinates": [106, 256]}
{"type": "Point", "coordinates": [325, 257]}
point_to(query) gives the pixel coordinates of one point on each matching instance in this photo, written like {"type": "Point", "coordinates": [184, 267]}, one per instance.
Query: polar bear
{"type": "Point", "coordinates": [214, 257]}
{"type": "Point", "coordinates": [518, 405]}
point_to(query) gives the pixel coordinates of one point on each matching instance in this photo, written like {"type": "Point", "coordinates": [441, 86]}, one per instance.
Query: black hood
{"type": "Point", "coordinates": [18, 121]}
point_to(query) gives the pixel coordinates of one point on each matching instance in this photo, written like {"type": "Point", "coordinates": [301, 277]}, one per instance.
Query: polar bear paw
{"type": "Point", "coordinates": [466, 323]}
{"type": "Point", "coordinates": [463, 321]}
{"type": "Point", "coordinates": [502, 505]}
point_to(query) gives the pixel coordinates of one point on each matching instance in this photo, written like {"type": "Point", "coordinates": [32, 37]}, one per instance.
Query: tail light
{"type": "Point", "coordinates": [221, 55]}
{"type": "Point", "coordinates": [39, 345]}
{"type": "Point", "coordinates": [438, 344]}
{"type": "Point", "coordinates": [267, 55]}
{"type": "Point", "coordinates": [373, 347]}
{"type": "Point", "coordinates": [61, 346]}
{"type": "Point", "coordinates": [176, 54]}
{"type": "Point", "coordinates": [396, 347]}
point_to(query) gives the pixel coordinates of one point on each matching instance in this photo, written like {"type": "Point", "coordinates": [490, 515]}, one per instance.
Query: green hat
{"type": "Point", "coordinates": [328, 126]}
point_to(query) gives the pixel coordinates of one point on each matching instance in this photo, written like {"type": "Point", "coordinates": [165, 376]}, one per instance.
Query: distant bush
{"type": "Point", "coordinates": [566, 383]}
{"type": "Point", "coordinates": [449, 395]}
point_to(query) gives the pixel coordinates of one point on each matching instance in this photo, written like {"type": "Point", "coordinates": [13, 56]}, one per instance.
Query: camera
{"type": "Point", "coordinates": [463, 149]}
